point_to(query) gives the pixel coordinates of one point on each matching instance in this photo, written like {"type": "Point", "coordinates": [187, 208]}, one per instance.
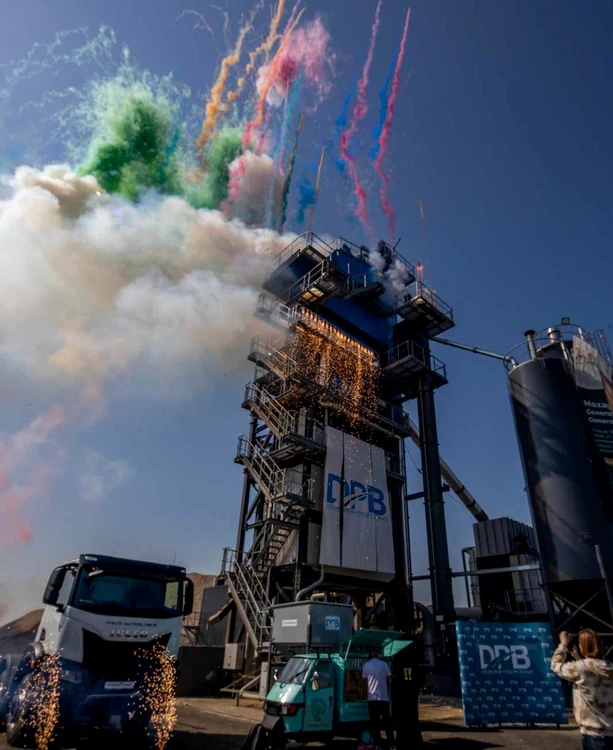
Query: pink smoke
{"type": "Point", "coordinates": [20, 453]}
{"type": "Point", "coordinates": [385, 131]}
{"type": "Point", "coordinates": [237, 170]}
{"type": "Point", "coordinates": [31, 459]}
{"type": "Point", "coordinates": [308, 46]}
{"type": "Point", "coordinates": [359, 112]}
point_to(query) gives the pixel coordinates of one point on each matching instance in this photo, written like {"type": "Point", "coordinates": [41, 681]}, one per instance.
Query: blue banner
{"type": "Point", "coordinates": [505, 673]}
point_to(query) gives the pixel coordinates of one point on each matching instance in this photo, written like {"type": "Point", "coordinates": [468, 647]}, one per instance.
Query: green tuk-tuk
{"type": "Point", "coordinates": [322, 695]}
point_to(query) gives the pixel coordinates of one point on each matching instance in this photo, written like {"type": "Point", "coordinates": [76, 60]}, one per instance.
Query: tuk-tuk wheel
{"type": "Point", "coordinates": [277, 738]}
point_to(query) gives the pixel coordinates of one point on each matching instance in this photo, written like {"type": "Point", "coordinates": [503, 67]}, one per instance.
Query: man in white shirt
{"type": "Point", "coordinates": [378, 678]}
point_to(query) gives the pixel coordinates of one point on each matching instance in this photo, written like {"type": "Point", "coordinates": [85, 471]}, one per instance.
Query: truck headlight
{"type": "Point", "coordinates": [71, 675]}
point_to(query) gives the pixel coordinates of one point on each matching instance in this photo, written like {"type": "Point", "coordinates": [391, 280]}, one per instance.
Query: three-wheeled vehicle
{"type": "Point", "coordinates": [319, 696]}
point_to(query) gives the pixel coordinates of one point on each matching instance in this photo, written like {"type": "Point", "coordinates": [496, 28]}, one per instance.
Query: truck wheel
{"type": "Point", "coordinates": [19, 729]}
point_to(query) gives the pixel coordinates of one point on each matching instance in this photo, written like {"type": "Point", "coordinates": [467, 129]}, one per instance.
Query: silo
{"type": "Point", "coordinates": [560, 467]}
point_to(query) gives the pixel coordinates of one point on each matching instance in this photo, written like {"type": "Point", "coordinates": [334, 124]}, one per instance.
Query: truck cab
{"type": "Point", "coordinates": [320, 695]}
{"type": "Point", "coordinates": [107, 623]}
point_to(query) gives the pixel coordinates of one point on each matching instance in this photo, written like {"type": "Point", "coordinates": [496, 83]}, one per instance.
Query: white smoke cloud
{"type": "Point", "coordinates": [251, 178]}
{"type": "Point", "coordinates": [72, 192]}
{"type": "Point", "coordinates": [93, 285]}
{"type": "Point", "coordinates": [392, 270]}
{"type": "Point", "coordinates": [101, 476]}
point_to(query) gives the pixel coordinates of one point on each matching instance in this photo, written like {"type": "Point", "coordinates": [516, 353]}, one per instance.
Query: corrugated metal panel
{"type": "Point", "coordinates": [498, 536]}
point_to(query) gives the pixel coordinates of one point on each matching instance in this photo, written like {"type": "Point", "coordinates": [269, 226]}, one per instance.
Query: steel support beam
{"type": "Point", "coordinates": [438, 550]}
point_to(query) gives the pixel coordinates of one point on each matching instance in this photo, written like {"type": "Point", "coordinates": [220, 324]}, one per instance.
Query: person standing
{"type": "Point", "coordinates": [408, 678]}
{"type": "Point", "coordinates": [378, 678]}
{"type": "Point", "coordinates": [592, 678]}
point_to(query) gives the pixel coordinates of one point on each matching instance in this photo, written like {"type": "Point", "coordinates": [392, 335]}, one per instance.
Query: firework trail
{"type": "Point", "coordinates": [288, 115]}
{"type": "Point", "coordinates": [385, 131]}
{"type": "Point", "coordinates": [260, 106]}
{"type": "Point", "coordinates": [215, 104]}
{"type": "Point", "coordinates": [359, 112]}
{"type": "Point", "coordinates": [383, 99]}
{"type": "Point", "coordinates": [317, 185]}
{"type": "Point", "coordinates": [265, 48]}
{"type": "Point", "coordinates": [288, 179]}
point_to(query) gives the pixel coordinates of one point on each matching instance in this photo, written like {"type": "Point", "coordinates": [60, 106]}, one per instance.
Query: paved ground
{"type": "Point", "coordinates": [219, 725]}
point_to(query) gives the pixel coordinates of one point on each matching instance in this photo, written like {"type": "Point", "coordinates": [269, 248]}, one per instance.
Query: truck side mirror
{"type": "Point", "coordinates": [188, 597]}
{"type": "Point", "coordinates": [54, 586]}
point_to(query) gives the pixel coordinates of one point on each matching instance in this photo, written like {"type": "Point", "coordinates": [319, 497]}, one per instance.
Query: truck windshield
{"type": "Point", "coordinates": [296, 671]}
{"type": "Point", "coordinates": [112, 593]}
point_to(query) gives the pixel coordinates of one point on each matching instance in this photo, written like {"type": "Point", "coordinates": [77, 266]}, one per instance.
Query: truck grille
{"type": "Point", "coordinates": [113, 660]}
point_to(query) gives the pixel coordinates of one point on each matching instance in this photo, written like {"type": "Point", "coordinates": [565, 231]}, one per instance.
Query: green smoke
{"type": "Point", "coordinates": [139, 151]}
{"type": "Point", "coordinates": [212, 190]}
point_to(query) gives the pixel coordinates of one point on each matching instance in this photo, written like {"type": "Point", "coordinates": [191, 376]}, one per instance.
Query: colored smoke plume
{"type": "Point", "coordinates": [308, 46]}
{"type": "Point", "coordinates": [28, 465]}
{"type": "Point", "coordinates": [359, 112]}
{"type": "Point", "coordinates": [210, 190]}
{"type": "Point", "coordinates": [122, 285]}
{"type": "Point", "coordinates": [386, 205]}
{"type": "Point", "coordinates": [139, 150]}
{"type": "Point", "coordinates": [215, 105]}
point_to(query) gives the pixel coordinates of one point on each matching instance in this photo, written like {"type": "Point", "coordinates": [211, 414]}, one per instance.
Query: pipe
{"type": "Point", "coordinates": [554, 335]}
{"type": "Point", "coordinates": [606, 578]}
{"type": "Point", "coordinates": [313, 586]}
{"type": "Point", "coordinates": [464, 551]}
{"type": "Point", "coordinates": [476, 350]}
{"type": "Point", "coordinates": [531, 345]}
{"type": "Point", "coordinates": [452, 480]}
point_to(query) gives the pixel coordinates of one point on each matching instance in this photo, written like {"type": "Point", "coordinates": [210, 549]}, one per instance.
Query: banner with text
{"type": "Point", "coordinates": [594, 378]}
{"type": "Point", "coordinates": [506, 676]}
{"type": "Point", "coordinates": [357, 524]}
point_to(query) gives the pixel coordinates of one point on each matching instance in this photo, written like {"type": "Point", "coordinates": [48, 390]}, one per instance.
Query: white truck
{"type": "Point", "coordinates": [105, 618]}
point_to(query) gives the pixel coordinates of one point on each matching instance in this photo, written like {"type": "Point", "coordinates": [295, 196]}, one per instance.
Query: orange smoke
{"type": "Point", "coordinates": [266, 46]}
{"type": "Point", "coordinates": [214, 105]}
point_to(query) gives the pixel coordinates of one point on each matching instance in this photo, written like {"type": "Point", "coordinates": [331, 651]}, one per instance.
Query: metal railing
{"type": "Point", "coordinates": [559, 336]}
{"type": "Point", "coordinates": [411, 350]}
{"type": "Point", "coordinates": [525, 600]}
{"type": "Point", "coordinates": [324, 272]}
{"type": "Point", "coordinates": [307, 239]}
{"type": "Point", "coordinates": [327, 247]}
{"type": "Point", "coordinates": [289, 485]}
{"type": "Point", "coordinates": [270, 410]}
{"type": "Point", "coordinates": [418, 292]}
{"type": "Point", "coordinates": [273, 308]}
{"type": "Point", "coordinates": [253, 603]}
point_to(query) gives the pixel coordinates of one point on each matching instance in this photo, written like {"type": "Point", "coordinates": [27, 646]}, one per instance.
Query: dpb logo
{"type": "Point", "coordinates": [355, 495]}
{"type": "Point", "coordinates": [333, 623]}
{"type": "Point", "coordinates": [501, 657]}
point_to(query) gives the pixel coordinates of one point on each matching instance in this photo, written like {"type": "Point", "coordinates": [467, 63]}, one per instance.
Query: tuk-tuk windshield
{"type": "Point", "coordinates": [296, 671]}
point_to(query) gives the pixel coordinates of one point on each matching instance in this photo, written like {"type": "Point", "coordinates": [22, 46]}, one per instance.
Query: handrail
{"type": "Point", "coordinates": [418, 290]}
{"type": "Point", "coordinates": [407, 349]}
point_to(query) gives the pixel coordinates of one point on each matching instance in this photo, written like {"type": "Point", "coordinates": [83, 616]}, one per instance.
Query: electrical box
{"type": "Point", "coordinates": [233, 657]}
{"type": "Point", "coordinates": [309, 626]}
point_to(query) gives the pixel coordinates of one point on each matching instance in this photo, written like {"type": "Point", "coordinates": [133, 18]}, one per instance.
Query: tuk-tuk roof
{"type": "Point", "coordinates": [389, 641]}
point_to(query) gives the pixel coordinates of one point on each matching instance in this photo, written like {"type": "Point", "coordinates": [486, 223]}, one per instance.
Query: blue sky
{"type": "Point", "coordinates": [503, 131]}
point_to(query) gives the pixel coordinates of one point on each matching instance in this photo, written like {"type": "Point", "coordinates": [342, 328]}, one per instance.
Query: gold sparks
{"type": "Point", "coordinates": [156, 700]}
{"type": "Point", "coordinates": [43, 699]}
{"type": "Point", "coordinates": [338, 363]}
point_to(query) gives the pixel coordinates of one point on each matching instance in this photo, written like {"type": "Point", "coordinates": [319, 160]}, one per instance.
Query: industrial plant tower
{"type": "Point", "coordinates": [323, 507]}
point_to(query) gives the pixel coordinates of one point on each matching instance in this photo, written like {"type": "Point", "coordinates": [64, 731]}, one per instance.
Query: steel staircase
{"type": "Point", "coordinates": [249, 595]}
{"type": "Point", "coordinates": [278, 485]}
{"type": "Point", "coordinates": [269, 410]}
